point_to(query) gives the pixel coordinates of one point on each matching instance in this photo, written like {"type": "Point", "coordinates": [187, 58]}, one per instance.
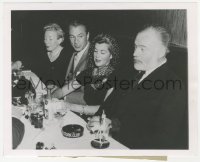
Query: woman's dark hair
{"type": "Point", "coordinates": [113, 48]}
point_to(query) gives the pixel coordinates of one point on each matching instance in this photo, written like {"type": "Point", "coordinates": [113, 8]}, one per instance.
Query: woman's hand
{"type": "Point", "coordinates": [61, 106]}
{"type": "Point", "coordinates": [95, 125]}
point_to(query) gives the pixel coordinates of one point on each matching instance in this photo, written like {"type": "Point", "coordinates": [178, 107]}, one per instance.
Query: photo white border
{"type": "Point", "coordinates": [192, 77]}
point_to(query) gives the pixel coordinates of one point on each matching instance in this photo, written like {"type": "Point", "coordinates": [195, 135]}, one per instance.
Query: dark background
{"type": "Point", "coordinates": [27, 32]}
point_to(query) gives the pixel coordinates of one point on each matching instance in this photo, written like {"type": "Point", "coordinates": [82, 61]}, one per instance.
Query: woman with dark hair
{"type": "Point", "coordinates": [104, 54]}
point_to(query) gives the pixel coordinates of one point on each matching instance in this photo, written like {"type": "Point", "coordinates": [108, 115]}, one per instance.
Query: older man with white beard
{"type": "Point", "coordinates": [153, 114]}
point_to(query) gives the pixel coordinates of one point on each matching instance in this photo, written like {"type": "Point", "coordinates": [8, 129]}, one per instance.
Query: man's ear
{"type": "Point", "coordinates": [111, 57]}
{"type": "Point", "coordinates": [162, 52]}
{"type": "Point", "coordinates": [88, 36]}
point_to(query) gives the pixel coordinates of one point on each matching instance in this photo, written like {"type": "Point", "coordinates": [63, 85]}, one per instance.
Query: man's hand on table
{"type": "Point", "coordinates": [57, 93]}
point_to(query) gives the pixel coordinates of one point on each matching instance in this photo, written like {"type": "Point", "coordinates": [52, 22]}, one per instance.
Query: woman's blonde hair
{"type": "Point", "coordinates": [55, 27]}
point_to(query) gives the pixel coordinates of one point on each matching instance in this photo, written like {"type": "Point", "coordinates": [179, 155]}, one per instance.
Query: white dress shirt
{"type": "Point", "coordinates": [151, 70]}
{"type": "Point", "coordinates": [79, 55]}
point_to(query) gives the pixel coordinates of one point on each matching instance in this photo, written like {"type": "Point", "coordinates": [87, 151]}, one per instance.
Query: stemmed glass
{"type": "Point", "coordinates": [49, 88]}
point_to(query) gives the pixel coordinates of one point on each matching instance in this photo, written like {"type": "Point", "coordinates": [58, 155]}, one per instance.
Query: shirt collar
{"type": "Point", "coordinates": [80, 53]}
{"type": "Point", "coordinates": [54, 54]}
{"type": "Point", "coordinates": [151, 70]}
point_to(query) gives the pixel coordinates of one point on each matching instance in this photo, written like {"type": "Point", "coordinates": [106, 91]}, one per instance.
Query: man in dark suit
{"type": "Point", "coordinates": [153, 113]}
{"type": "Point", "coordinates": [79, 39]}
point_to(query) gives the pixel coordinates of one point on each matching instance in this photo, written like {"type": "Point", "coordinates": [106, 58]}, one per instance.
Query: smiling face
{"type": "Point", "coordinates": [148, 50]}
{"type": "Point", "coordinates": [102, 55]}
{"type": "Point", "coordinates": [78, 37]}
{"type": "Point", "coordinates": [51, 40]}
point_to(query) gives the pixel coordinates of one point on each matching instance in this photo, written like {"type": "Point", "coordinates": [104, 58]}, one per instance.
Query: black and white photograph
{"type": "Point", "coordinates": [100, 79]}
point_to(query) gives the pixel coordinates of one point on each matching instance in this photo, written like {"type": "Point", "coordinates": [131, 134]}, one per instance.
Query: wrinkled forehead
{"type": "Point", "coordinates": [148, 37]}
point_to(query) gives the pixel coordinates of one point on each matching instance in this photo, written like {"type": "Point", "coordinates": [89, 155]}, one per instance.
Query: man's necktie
{"type": "Point", "coordinates": [75, 62]}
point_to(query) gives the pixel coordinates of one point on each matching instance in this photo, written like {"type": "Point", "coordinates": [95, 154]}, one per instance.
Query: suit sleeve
{"type": "Point", "coordinates": [84, 78]}
{"type": "Point", "coordinates": [172, 121]}
{"type": "Point", "coordinates": [17, 132]}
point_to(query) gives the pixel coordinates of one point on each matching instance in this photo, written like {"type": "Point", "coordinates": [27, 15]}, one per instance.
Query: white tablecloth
{"type": "Point", "coordinates": [51, 135]}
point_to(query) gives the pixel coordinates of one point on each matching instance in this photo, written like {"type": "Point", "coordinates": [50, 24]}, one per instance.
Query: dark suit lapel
{"type": "Point", "coordinates": [144, 87]}
{"type": "Point", "coordinates": [157, 74]}
{"type": "Point", "coordinates": [137, 79]}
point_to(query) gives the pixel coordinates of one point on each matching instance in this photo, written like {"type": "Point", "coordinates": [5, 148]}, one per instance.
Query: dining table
{"type": "Point", "coordinates": [51, 135]}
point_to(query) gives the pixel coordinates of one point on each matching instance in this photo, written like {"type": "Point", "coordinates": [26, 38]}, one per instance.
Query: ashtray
{"type": "Point", "coordinates": [72, 131]}
{"type": "Point", "coordinates": [100, 144]}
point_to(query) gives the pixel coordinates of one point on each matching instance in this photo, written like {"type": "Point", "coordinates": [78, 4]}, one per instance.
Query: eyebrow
{"type": "Point", "coordinates": [100, 50]}
{"type": "Point", "coordinates": [71, 35]}
{"type": "Point", "coordinates": [80, 34]}
{"type": "Point", "coordinates": [140, 45]}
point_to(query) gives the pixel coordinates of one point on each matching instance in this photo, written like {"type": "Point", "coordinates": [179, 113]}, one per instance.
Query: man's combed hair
{"type": "Point", "coordinates": [113, 48]}
{"type": "Point", "coordinates": [78, 22]}
{"type": "Point", "coordinates": [55, 27]}
{"type": "Point", "coordinates": [164, 34]}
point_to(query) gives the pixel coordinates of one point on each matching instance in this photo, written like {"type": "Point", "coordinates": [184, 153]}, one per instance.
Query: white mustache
{"type": "Point", "coordinates": [136, 60]}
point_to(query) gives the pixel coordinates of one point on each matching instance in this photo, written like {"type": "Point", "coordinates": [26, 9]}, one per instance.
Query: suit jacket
{"type": "Point", "coordinates": [82, 64]}
{"type": "Point", "coordinates": [153, 114]}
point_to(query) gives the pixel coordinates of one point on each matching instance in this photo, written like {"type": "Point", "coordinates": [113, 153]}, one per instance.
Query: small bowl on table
{"type": "Point", "coordinates": [72, 131]}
